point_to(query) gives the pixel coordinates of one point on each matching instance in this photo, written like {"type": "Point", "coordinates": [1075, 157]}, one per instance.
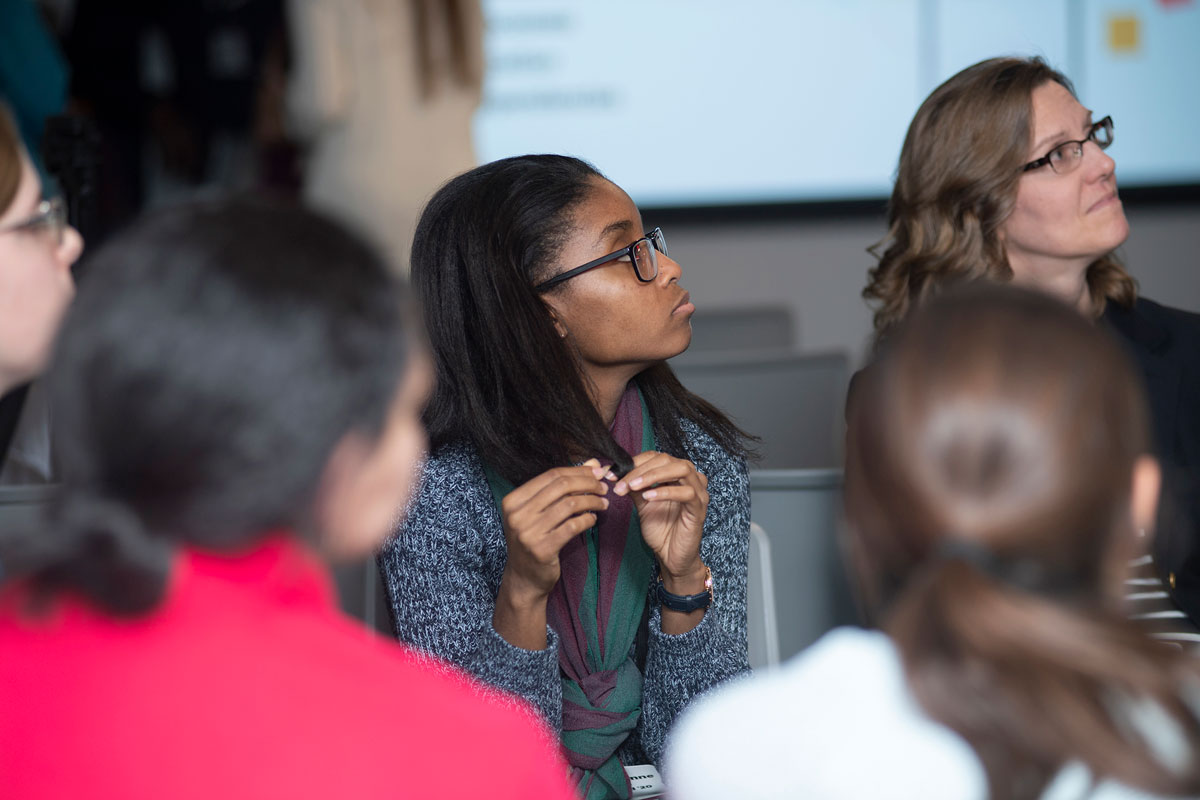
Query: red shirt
{"type": "Point", "coordinates": [248, 682]}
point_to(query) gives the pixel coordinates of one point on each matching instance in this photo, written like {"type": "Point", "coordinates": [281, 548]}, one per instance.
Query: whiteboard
{"type": "Point", "coordinates": [708, 102]}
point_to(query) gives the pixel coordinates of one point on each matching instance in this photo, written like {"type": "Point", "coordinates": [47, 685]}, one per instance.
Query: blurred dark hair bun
{"type": "Point", "coordinates": [111, 554]}
{"type": "Point", "coordinates": [214, 356]}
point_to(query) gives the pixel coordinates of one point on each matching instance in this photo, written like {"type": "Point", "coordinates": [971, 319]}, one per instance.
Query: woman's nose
{"type": "Point", "coordinates": [70, 247]}
{"type": "Point", "coordinates": [1101, 164]}
{"type": "Point", "coordinates": [669, 268]}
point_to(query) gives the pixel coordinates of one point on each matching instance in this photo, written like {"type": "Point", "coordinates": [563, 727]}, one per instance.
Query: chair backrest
{"type": "Point", "coordinates": [361, 594]}
{"type": "Point", "coordinates": [23, 506]}
{"type": "Point", "coordinates": [794, 402]}
{"type": "Point", "coordinates": [762, 626]}
{"type": "Point", "coordinates": [802, 511]}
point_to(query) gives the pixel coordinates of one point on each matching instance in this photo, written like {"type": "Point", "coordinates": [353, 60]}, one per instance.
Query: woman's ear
{"type": "Point", "coordinates": [335, 506]}
{"type": "Point", "coordinates": [559, 326]}
{"type": "Point", "coordinates": [1146, 483]}
{"type": "Point", "coordinates": [368, 478]}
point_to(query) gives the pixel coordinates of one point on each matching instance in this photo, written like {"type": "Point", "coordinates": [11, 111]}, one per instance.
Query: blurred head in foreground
{"type": "Point", "coordinates": [996, 485]}
{"type": "Point", "coordinates": [229, 371]}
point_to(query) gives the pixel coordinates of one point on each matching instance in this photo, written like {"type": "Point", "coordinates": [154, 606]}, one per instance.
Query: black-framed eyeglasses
{"type": "Point", "coordinates": [1067, 156]}
{"type": "Point", "coordinates": [642, 254]}
{"type": "Point", "coordinates": [50, 216]}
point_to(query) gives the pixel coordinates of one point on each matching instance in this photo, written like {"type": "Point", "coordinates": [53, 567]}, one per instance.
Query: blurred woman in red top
{"type": "Point", "coordinates": [237, 390]}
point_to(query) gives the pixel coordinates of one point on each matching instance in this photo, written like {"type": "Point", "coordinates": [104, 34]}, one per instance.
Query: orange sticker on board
{"type": "Point", "coordinates": [1124, 34]}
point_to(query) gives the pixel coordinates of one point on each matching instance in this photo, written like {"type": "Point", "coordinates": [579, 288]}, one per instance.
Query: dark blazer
{"type": "Point", "coordinates": [10, 415]}
{"type": "Point", "coordinates": [1165, 343]}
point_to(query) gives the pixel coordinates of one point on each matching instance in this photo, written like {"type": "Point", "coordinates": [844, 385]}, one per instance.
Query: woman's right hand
{"type": "Point", "coordinates": [540, 516]}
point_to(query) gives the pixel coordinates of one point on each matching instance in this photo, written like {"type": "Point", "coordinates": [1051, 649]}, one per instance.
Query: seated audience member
{"type": "Point", "coordinates": [581, 531]}
{"type": "Point", "coordinates": [37, 249]}
{"type": "Point", "coordinates": [993, 493]}
{"type": "Point", "coordinates": [383, 94]}
{"type": "Point", "coordinates": [1004, 177]}
{"type": "Point", "coordinates": [239, 395]}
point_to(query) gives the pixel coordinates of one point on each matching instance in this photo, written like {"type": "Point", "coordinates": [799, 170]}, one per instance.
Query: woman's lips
{"type": "Point", "coordinates": [1104, 202]}
{"type": "Point", "coordinates": [685, 305]}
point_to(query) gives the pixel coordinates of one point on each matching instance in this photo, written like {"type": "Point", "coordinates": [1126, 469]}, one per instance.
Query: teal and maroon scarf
{"type": "Point", "coordinates": [596, 608]}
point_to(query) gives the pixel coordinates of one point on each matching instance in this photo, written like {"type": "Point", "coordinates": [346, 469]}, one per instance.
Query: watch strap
{"type": "Point", "coordinates": [687, 603]}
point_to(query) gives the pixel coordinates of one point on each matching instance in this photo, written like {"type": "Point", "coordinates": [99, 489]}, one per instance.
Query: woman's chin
{"type": "Point", "coordinates": [687, 341]}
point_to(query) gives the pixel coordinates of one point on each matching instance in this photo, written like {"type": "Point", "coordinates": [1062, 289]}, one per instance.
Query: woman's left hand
{"type": "Point", "coordinates": [671, 498]}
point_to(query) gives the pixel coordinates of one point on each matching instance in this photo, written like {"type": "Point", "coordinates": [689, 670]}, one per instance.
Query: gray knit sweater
{"type": "Point", "coordinates": [442, 572]}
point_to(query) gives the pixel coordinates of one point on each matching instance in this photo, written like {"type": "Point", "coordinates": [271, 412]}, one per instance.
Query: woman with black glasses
{"type": "Point", "coordinates": [580, 537]}
{"type": "Point", "coordinates": [1005, 176]}
{"type": "Point", "coordinates": [37, 249]}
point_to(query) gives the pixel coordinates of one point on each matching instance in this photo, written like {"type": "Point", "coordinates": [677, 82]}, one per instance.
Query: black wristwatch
{"type": "Point", "coordinates": [687, 603]}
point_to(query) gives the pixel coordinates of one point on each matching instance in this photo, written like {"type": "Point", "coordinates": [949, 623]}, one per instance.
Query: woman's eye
{"type": "Point", "coordinates": [1059, 153]}
{"type": "Point", "coordinates": [33, 227]}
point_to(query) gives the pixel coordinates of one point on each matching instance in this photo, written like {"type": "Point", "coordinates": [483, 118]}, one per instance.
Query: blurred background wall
{"type": "Point", "coordinates": [817, 267]}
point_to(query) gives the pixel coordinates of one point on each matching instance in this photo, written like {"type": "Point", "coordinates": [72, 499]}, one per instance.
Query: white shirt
{"type": "Point", "coordinates": [837, 721]}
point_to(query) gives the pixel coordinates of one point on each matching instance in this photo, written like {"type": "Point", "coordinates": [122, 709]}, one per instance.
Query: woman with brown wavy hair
{"type": "Point", "coordinates": [994, 488]}
{"type": "Point", "coordinates": [970, 202]}
{"type": "Point", "coordinates": [1004, 177]}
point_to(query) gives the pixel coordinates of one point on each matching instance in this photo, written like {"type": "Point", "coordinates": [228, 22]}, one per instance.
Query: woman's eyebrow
{"type": "Point", "coordinates": [1060, 135]}
{"type": "Point", "coordinates": [1046, 140]}
{"type": "Point", "coordinates": [23, 210]}
{"type": "Point", "coordinates": [623, 226]}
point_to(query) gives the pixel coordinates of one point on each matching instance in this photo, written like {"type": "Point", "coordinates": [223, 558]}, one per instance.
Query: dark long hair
{"type": "Point", "coordinates": [988, 501]}
{"type": "Point", "coordinates": [213, 358]}
{"type": "Point", "coordinates": [506, 381]}
{"type": "Point", "coordinates": [957, 184]}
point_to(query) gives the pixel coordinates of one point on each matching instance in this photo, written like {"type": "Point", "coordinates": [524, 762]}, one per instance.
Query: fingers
{"type": "Point", "coordinates": [570, 506]}
{"type": "Point", "coordinates": [543, 490]}
{"type": "Point", "coordinates": [651, 470]}
{"type": "Point", "coordinates": [545, 542]}
{"type": "Point", "coordinates": [680, 493]}
{"type": "Point", "coordinates": [557, 502]}
{"type": "Point", "coordinates": [546, 512]}
{"type": "Point", "coordinates": [542, 515]}
{"type": "Point", "coordinates": [569, 529]}
{"type": "Point", "coordinates": [565, 487]}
